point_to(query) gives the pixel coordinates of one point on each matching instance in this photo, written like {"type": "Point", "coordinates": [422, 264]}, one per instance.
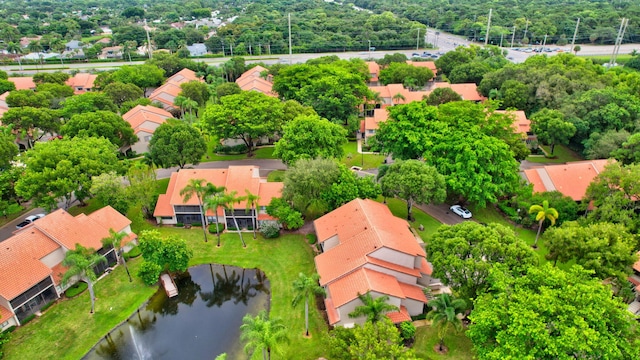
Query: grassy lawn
{"type": "Point", "coordinates": [265, 152]}
{"type": "Point", "coordinates": [620, 59]}
{"type": "Point", "coordinates": [427, 337]}
{"type": "Point", "coordinates": [67, 331]}
{"type": "Point", "coordinates": [561, 153]}
{"type": "Point", "coordinates": [94, 38]}
{"type": "Point", "coordinates": [276, 176]}
{"type": "Point", "coordinates": [353, 158]}
{"type": "Point", "coordinates": [399, 208]}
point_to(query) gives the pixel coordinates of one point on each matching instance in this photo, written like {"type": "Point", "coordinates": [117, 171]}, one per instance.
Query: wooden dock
{"type": "Point", "coordinates": [169, 286]}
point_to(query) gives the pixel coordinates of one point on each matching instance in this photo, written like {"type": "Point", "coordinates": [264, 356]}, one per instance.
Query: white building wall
{"type": "Point", "coordinates": [401, 277]}
{"type": "Point", "coordinates": [142, 146]}
{"type": "Point", "coordinates": [330, 243]}
{"type": "Point", "coordinates": [394, 256]}
{"type": "Point", "coordinates": [414, 307]}
{"type": "Point", "coordinates": [54, 258]}
{"type": "Point", "coordinates": [348, 308]}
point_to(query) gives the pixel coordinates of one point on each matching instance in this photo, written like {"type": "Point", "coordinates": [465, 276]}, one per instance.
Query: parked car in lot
{"type": "Point", "coordinates": [415, 55]}
{"type": "Point", "coordinates": [29, 219]}
{"type": "Point", "coordinates": [460, 211]}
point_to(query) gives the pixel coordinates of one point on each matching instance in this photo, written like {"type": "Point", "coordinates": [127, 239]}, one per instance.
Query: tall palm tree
{"type": "Point", "coordinates": [397, 97]}
{"type": "Point", "coordinates": [115, 241]}
{"type": "Point", "coordinates": [444, 312]}
{"type": "Point", "coordinates": [214, 199]}
{"type": "Point", "coordinates": [179, 101]}
{"type": "Point", "coordinates": [190, 105]}
{"type": "Point", "coordinates": [373, 309]}
{"type": "Point", "coordinates": [15, 48]}
{"type": "Point", "coordinates": [197, 188]}
{"type": "Point", "coordinates": [252, 200]}
{"type": "Point", "coordinates": [305, 286]}
{"type": "Point", "coordinates": [262, 333]}
{"type": "Point", "coordinates": [231, 199]}
{"type": "Point", "coordinates": [80, 263]}
{"type": "Point", "coordinates": [543, 212]}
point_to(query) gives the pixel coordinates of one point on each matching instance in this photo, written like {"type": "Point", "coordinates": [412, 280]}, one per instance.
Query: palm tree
{"type": "Point", "coordinates": [115, 241]}
{"type": "Point", "coordinates": [15, 48]}
{"type": "Point", "coordinates": [397, 97]}
{"type": "Point", "coordinates": [35, 47]}
{"type": "Point", "coordinates": [252, 200]}
{"type": "Point", "coordinates": [373, 309]}
{"type": "Point", "coordinates": [190, 105]}
{"type": "Point", "coordinates": [196, 187]}
{"type": "Point", "coordinates": [179, 101]}
{"type": "Point", "coordinates": [543, 212]}
{"type": "Point", "coordinates": [444, 312]}
{"type": "Point", "coordinates": [80, 263]}
{"type": "Point", "coordinates": [305, 286]}
{"type": "Point", "coordinates": [262, 333]}
{"type": "Point", "coordinates": [214, 199]}
{"type": "Point", "coordinates": [231, 199]}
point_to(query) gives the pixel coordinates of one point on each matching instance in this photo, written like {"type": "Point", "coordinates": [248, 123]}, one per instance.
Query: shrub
{"type": "Point", "coordinates": [232, 228]}
{"type": "Point", "coordinates": [10, 329]}
{"type": "Point", "coordinates": [311, 238]}
{"type": "Point", "coordinates": [149, 272]}
{"type": "Point", "coordinates": [212, 228]}
{"type": "Point", "coordinates": [231, 150]}
{"type": "Point", "coordinates": [28, 319]}
{"type": "Point", "coordinates": [196, 224]}
{"type": "Point", "coordinates": [407, 330]}
{"type": "Point", "coordinates": [179, 224]}
{"type": "Point", "coordinates": [133, 253]}
{"type": "Point", "coordinates": [270, 230]}
{"type": "Point", "coordinates": [76, 289]}
{"type": "Point", "coordinates": [288, 216]}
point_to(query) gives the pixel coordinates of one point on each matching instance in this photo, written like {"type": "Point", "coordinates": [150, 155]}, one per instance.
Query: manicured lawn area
{"type": "Point", "coordinates": [620, 59]}
{"type": "Point", "coordinates": [561, 153]}
{"type": "Point", "coordinates": [399, 208]}
{"type": "Point", "coordinates": [276, 176]}
{"type": "Point", "coordinates": [427, 337]}
{"type": "Point", "coordinates": [67, 331]}
{"type": "Point", "coordinates": [265, 152]}
{"type": "Point", "coordinates": [94, 38]}
{"type": "Point", "coordinates": [353, 158]}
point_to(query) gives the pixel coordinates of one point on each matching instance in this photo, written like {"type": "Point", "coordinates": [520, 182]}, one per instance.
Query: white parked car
{"type": "Point", "coordinates": [29, 219]}
{"type": "Point", "coordinates": [460, 211]}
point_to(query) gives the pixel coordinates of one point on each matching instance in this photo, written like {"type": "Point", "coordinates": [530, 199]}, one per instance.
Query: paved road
{"type": "Point", "coordinates": [7, 230]}
{"type": "Point", "coordinates": [441, 213]}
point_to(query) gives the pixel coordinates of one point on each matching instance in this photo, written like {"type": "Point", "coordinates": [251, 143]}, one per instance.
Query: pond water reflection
{"type": "Point", "coordinates": [202, 322]}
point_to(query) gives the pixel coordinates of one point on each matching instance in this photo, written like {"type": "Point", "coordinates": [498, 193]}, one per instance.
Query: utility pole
{"type": "Point", "coordinates": [250, 52]}
{"type": "Point", "coordinates": [231, 48]}
{"type": "Point", "coordinates": [513, 36]}
{"type": "Point", "coordinates": [526, 27]}
{"type": "Point", "coordinates": [486, 38]}
{"type": "Point", "coordinates": [417, 40]}
{"type": "Point", "coordinates": [575, 33]}
{"type": "Point", "coordinates": [223, 53]}
{"type": "Point", "coordinates": [269, 48]}
{"type": "Point", "coordinates": [616, 47]}
{"type": "Point", "coordinates": [369, 49]}
{"type": "Point", "coordinates": [544, 43]}
{"type": "Point", "coordinates": [146, 28]}
{"type": "Point", "coordinates": [290, 53]}
{"type": "Point", "coordinates": [501, 37]}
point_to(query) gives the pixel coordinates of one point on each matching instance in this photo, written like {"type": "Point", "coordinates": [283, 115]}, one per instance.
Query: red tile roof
{"type": "Point", "coordinates": [110, 218]}
{"type": "Point", "coordinates": [140, 114]}
{"type": "Point", "coordinates": [23, 83]}
{"type": "Point", "coordinates": [521, 124]}
{"type": "Point", "coordinates": [82, 81]}
{"type": "Point", "coordinates": [251, 80]}
{"type": "Point", "coordinates": [571, 179]}
{"type": "Point", "coordinates": [466, 91]}
{"type": "Point", "coordinates": [332, 312]}
{"type": "Point", "coordinates": [374, 70]}
{"type": "Point", "coordinates": [167, 93]}
{"type": "Point", "coordinates": [5, 314]}
{"type": "Point", "coordinates": [399, 316]}
{"type": "Point", "coordinates": [428, 64]}
{"type": "Point", "coordinates": [413, 292]}
{"type": "Point", "coordinates": [363, 281]}
{"type": "Point", "coordinates": [636, 265]}
{"type": "Point", "coordinates": [379, 115]}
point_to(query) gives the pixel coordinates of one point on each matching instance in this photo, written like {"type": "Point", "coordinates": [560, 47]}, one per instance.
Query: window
{"type": "Point", "coordinates": [147, 138]}
{"type": "Point", "coordinates": [4, 324]}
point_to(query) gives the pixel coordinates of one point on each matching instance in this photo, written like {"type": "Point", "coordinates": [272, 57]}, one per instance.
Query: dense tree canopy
{"type": "Point", "coordinates": [176, 145]}
{"type": "Point", "coordinates": [310, 137]}
{"type": "Point", "coordinates": [100, 124]}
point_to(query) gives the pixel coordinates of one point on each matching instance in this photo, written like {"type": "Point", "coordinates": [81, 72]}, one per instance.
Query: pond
{"type": "Point", "coordinates": [202, 322]}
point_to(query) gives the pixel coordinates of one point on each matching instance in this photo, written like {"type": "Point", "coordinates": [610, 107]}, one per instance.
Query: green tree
{"type": "Point", "coordinates": [176, 145]}
{"type": "Point", "coordinates": [100, 124]}
{"type": "Point", "coordinates": [142, 76]}
{"type": "Point", "coordinates": [304, 287]}
{"type": "Point", "coordinates": [247, 116]}
{"type": "Point", "coordinates": [288, 217]}
{"type": "Point", "coordinates": [213, 201]}
{"type": "Point", "coordinates": [142, 180]}
{"type": "Point", "coordinates": [398, 73]}
{"type": "Point", "coordinates": [58, 91]}
{"type": "Point", "coordinates": [32, 123]}
{"type": "Point", "coordinates": [543, 213]}
{"type": "Point", "coordinates": [6, 85]}
{"type": "Point", "coordinates": [550, 127]}
{"type": "Point", "coordinates": [230, 200]}
{"type": "Point", "coordinates": [551, 314]}
{"type": "Point", "coordinates": [310, 137]}
{"type": "Point", "coordinates": [380, 340]}
{"type": "Point", "coordinates": [444, 312]}
{"type": "Point", "coordinates": [252, 202]}
{"type": "Point", "coordinates": [228, 88]}
{"type": "Point", "coordinates": [198, 188]}
{"type": "Point", "coordinates": [109, 190]}
{"type": "Point", "coordinates": [196, 91]}
{"type": "Point", "coordinates": [120, 93]}
{"type": "Point", "coordinates": [262, 333]}
{"type": "Point", "coordinates": [22, 98]}
{"type": "Point", "coordinates": [442, 96]}
{"type": "Point", "coordinates": [629, 152]}
{"type": "Point", "coordinates": [80, 262]}
{"type": "Point", "coordinates": [160, 254]}
{"type": "Point", "coordinates": [59, 78]}
{"type": "Point", "coordinates": [8, 150]}
{"type": "Point", "coordinates": [415, 182]}
{"type": "Point", "coordinates": [463, 256]}
{"type": "Point", "coordinates": [607, 249]}
{"type": "Point", "coordinates": [87, 102]}
{"type": "Point", "coordinates": [62, 170]}
{"type": "Point", "coordinates": [114, 240]}
{"type": "Point", "coordinates": [373, 309]}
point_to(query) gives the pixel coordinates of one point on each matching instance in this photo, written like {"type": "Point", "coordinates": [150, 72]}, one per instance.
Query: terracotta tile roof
{"type": "Point", "coordinates": [69, 231]}
{"type": "Point", "coordinates": [20, 265]}
{"type": "Point", "coordinates": [571, 179]}
{"type": "Point", "coordinates": [373, 123]}
{"type": "Point", "coordinates": [467, 91]}
{"type": "Point", "coordinates": [428, 64]}
{"type": "Point", "coordinates": [109, 217]}
{"type": "Point", "coordinates": [234, 178]}
{"type": "Point", "coordinates": [332, 313]}
{"type": "Point", "coordinates": [413, 292]}
{"type": "Point", "coordinates": [387, 92]}
{"type": "Point", "coordinates": [374, 70]}
{"type": "Point", "coordinates": [251, 80]}
{"type": "Point", "coordinates": [184, 75]}
{"type": "Point", "coordinates": [399, 316]}
{"type": "Point", "coordinates": [425, 267]}
{"type": "Point", "coordinates": [262, 216]}
{"type": "Point", "coordinates": [392, 266]}
{"type": "Point", "coordinates": [82, 80]}
{"type": "Point", "coordinates": [520, 123]}
{"type": "Point", "coordinates": [140, 114]}
{"type": "Point", "coordinates": [166, 94]}
{"type": "Point", "coordinates": [363, 281]}
{"type": "Point", "coordinates": [5, 314]}
{"type": "Point", "coordinates": [23, 83]}
{"type": "Point", "coordinates": [58, 272]}
{"type": "Point", "coordinates": [253, 72]}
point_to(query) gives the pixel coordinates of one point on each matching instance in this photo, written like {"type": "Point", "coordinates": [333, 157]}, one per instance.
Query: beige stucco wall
{"type": "Point", "coordinates": [54, 258]}
{"type": "Point", "coordinates": [330, 243]}
{"type": "Point", "coordinates": [414, 307]}
{"type": "Point", "coordinates": [393, 256]}
{"type": "Point", "coordinates": [347, 308]}
{"type": "Point", "coordinates": [402, 277]}
{"type": "Point", "coordinates": [142, 146]}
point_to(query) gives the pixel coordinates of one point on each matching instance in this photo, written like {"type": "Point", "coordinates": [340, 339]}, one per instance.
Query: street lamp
{"type": "Point", "coordinates": [369, 49]}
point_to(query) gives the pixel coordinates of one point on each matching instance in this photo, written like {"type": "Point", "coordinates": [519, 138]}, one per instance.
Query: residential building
{"type": "Point", "coordinates": [73, 45]}
{"type": "Point", "coordinates": [172, 209]}
{"type": "Point", "coordinates": [370, 124]}
{"type": "Point", "coordinates": [374, 72]}
{"type": "Point", "coordinates": [145, 120]}
{"type": "Point", "coordinates": [167, 93]}
{"type": "Point", "coordinates": [365, 249]}
{"type": "Point", "coordinates": [23, 82]}
{"type": "Point", "coordinates": [31, 260]}
{"type": "Point", "coordinates": [428, 64]}
{"type": "Point", "coordinates": [251, 80]}
{"type": "Point", "coordinates": [3, 104]}
{"type": "Point", "coordinates": [571, 179]}
{"type": "Point", "coordinates": [197, 50]}
{"type": "Point", "coordinates": [82, 82]}
{"type": "Point", "coordinates": [111, 52]}
{"type": "Point", "coordinates": [521, 124]}
{"type": "Point", "coordinates": [468, 91]}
